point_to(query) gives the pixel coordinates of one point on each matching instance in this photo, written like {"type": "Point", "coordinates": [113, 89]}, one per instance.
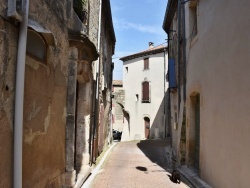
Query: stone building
{"type": "Point", "coordinates": [118, 105]}
{"type": "Point", "coordinates": [52, 56]}
{"type": "Point", "coordinates": [208, 64]}
{"type": "Point", "coordinates": [146, 93]}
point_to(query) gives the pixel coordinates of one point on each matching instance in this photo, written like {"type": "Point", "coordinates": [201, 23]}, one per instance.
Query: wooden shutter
{"type": "Point", "coordinates": [145, 91]}
{"type": "Point", "coordinates": [171, 73]}
{"type": "Point", "coordinates": [146, 63]}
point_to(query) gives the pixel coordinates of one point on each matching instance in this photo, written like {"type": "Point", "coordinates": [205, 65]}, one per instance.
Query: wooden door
{"type": "Point", "coordinates": [197, 132]}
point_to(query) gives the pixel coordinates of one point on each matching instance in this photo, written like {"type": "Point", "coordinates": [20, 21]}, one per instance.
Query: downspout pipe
{"type": "Point", "coordinates": [184, 54]}
{"type": "Point", "coordinates": [169, 98]}
{"type": "Point", "coordinates": [97, 68]}
{"type": "Point", "coordinates": [164, 80]}
{"type": "Point", "coordinates": [179, 54]}
{"type": "Point", "coordinates": [19, 97]}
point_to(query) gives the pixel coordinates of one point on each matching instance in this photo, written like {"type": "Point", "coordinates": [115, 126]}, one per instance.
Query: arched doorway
{"type": "Point", "coordinates": [194, 146]}
{"type": "Point", "coordinates": [147, 127]}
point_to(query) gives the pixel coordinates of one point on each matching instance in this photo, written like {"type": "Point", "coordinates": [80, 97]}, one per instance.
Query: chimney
{"type": "Point", "coordinates": [151, 45]}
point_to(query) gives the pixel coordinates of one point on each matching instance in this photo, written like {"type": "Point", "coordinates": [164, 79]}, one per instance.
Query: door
{"type": "Point", "coordinates": [197, 132]}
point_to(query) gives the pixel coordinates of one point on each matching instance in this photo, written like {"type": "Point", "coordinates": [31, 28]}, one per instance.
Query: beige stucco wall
{"type": "Point", "coordinates": [137, 110]}
{"type": "Point", "coordinates": [217, 68]}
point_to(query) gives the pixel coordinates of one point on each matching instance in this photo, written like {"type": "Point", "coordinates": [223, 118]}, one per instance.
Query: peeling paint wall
{"type": "Point", "coordinates": [45, 101]}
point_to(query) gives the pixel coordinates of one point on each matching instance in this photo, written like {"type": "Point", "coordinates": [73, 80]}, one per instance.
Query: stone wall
{"type": "Point", "coordinates": [49, 146]}
{"type": "Point", "coordinates": [45, 101]}
{"type": "Point", "coordinates": [8, 50]}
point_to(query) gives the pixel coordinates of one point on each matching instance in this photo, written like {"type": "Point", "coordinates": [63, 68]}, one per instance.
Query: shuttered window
{"type": "Point", "coordinates": [146, 63]}
{"type": "Point", "coordinates": [145, 92]}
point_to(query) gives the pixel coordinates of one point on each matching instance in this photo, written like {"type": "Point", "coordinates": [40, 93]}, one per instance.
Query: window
{"type": "Point", "coordinates": [193, 19]}
{"type": "Point", "coordinates": [126, 69]}
{"type": "Point", "coordinates": [145, 92]}
{"type": "Point", "coordinates": [146, 63]}
{"type": "Point", "coordinates": [36, 46]}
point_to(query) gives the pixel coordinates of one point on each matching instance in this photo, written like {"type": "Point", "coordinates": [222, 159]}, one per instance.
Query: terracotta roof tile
{"type": "Point", "coordinates": [154, 50]}
{"type": "Point", "coordinates": [117, 82]}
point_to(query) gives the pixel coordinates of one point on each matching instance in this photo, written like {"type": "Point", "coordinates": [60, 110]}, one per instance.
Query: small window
{"type": "Point", "coordinates": [126, 69]}
{"type": "Point", "coordinates": [193, 19]}
{"type": "Point", "coordinates": [36, 46]}
{"type": "Point", "coordinates": [146, 63]}
{"type": "Point", "coordinates": [145, 92]}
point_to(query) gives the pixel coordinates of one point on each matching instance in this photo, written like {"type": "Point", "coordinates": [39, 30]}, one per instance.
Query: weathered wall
{"type": "Point", "coordinates": [218, 66]}
{"type": "Point", "coordinates": [8, 45]}
{"type": "Point", "coordinates": [137, 110]}
{"type": "Point", "coordinates": [45, 99]}
{"type": "Point", "coordinates": [93, 20]}
{"type": "Point", "coordinates": [117, 109]}
{"type": "Point", "coordinates": [105, 80]}
{"type": "Point", "coordinates": [45, 102]}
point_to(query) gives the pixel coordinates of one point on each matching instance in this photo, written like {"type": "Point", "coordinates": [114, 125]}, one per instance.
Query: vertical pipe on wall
{"type": "Point", "coordinates": [19, 97]}
{"type": "Point", "coordinates": [179, 54]}
{"type": "Point", "coordinates": [164, 93]}
{"type": "Point", "coordinates": [169, 99]}
{"type": "Point", "coordinates": [184, 53]}
{"type": "Point", "coordinates": [97, 68]}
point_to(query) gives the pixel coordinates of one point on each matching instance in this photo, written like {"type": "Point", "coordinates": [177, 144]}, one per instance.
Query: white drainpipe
{"type": "Point", "coordinates": [99, 44]}
{"type": "Point", "coordinates": [19, 97]}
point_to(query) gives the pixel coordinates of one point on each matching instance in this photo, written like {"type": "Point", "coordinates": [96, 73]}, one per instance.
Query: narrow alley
{"type": "Point", "coordinates": [135, 164]}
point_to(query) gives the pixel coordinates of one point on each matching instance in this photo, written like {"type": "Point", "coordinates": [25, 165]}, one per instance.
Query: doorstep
{"type": "Point", "coordinates": [191, 175]}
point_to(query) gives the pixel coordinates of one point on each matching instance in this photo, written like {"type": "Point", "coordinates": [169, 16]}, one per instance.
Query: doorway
{"type": "Point", "coordinates": [194, 134]}
{"type": "Point", "coordinates": [197, 132]}
{"type": "Point", "coordinates": [147, 127]}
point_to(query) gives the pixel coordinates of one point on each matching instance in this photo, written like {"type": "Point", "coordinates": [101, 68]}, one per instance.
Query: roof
{"type": "Point", "coordinates": [169, 14]}
{"type": "Point", "coordinates": [117, 82]}
{"type": "Point", "coordinates": [150, 51]}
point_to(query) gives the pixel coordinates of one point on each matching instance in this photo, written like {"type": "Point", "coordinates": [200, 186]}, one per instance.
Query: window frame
{"type": "Point", "coordinates": [144, 99]}
{"type": "Point", "coordinates": [43, 61]}
{"type": "Point", "coordinates": [146, 63]}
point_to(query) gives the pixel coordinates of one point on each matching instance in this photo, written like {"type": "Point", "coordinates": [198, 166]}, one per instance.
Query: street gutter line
{"type": "Point", "coordinates": [88, 182]}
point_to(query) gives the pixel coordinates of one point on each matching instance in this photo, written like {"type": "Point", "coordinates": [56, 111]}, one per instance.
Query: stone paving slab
{"type": "Point", "coordinates": [135, 164]}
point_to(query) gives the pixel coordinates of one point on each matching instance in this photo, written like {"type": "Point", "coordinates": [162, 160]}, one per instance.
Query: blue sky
{"type": "Point", "coordinates": [136, 22]}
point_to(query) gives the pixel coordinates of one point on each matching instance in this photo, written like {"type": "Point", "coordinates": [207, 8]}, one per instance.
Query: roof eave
{"type": "Point", "coordinates": [144, 53]}
{"type": "Point", "coordinates": [169, 14]}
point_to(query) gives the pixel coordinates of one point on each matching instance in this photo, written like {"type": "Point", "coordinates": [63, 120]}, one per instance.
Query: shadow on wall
{"type": "Point", "coordinates": [159, 128]}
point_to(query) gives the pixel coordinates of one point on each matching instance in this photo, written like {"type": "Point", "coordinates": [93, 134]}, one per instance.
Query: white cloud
{"type": "Point", "coordinates": [122, 24]}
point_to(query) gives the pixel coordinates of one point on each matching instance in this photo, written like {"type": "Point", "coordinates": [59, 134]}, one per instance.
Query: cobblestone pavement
{"type": "Point", "coordinates": [135, 164]}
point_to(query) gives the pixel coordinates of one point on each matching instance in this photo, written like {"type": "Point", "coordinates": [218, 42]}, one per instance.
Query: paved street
{"type": "Point", "coordinates": [135, 164]}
